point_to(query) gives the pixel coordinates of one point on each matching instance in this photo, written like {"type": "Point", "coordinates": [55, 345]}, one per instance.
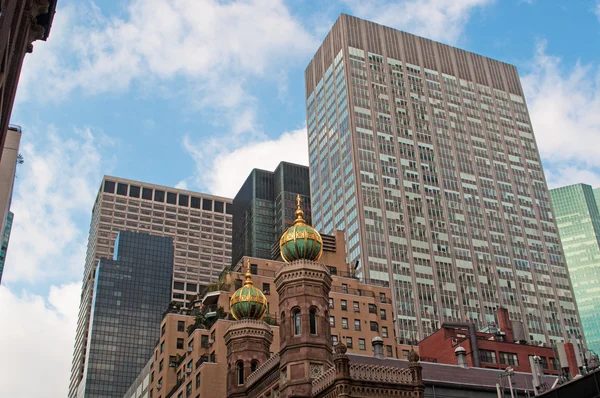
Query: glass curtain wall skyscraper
{"type": "Point", "coordinates": [199, 224]}
{"type": "Point", "coordinates": [578, 218]}
{"type": "Point", "coordinates": [131, 292]}
{"type": "Point", "coordinates": [425, 155]}
{"type": "Point", "coordinates": [265, 207]}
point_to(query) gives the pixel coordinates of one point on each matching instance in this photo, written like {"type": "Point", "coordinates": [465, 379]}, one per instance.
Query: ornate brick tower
{"type": "Point", "coordinates": [303, 286]}
{"type": "Point", "coordinates": [249, 339]}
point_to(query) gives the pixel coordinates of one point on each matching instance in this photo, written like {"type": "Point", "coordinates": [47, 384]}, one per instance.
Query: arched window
{"type": "Point", "coordinates": [313, 320]}
{"type": "Point", "coordinates": [253, 366]}
{"type": "Point", "coordinates": [240, 372]}
{"type": "Point", "coordinates": [297, 321]}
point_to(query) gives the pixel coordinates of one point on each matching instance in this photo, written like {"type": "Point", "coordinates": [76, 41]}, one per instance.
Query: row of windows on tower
{"type": "Point", "coordinates": [172, 198]}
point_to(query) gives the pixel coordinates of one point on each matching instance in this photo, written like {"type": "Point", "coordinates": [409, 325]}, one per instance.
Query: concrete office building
{"type": "Point", "coordinates": [8, 171]}
{"type": "Point", "coordinates": [264, 207]}
{"type": "Point", "coordinates": [425, 155]}
{"type": "Point", "coordinates": [199, 224]}
{"type": "Point", "coordinates": [131, 293]}
{"type": "Point", "coordinates": [578, 218]}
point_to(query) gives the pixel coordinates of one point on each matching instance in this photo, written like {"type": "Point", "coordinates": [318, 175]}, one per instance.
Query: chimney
{"type": "Point", "coordinates": [377, 344]}
{"type": "Point", "coordinates": [572, 359]}
{"type": "Point", "coordinates": [505, 325]}
{"type": "Point", "coordinates": [461, 357]}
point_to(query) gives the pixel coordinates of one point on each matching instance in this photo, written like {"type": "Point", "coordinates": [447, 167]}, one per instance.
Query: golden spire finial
{"type": "Point", "coordinates": [299, 212]}
{"type": "Point", "coordinates": [248, 274]}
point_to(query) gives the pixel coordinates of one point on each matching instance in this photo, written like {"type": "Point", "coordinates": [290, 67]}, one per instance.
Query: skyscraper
{"type": "Point", "coordinates": [131, 292]}
{"type": "Point", "coordinates": [199, 224]}
{"type": "Point", "coordinates": [8, 171]}
{"type": "Point", "coordinates": [425, 155]}
{"type": "Point", "coordinates": [265, 206]}
{"type": "Point", "coordinates": [5, 239]}
{"type": "Point", "coordinates": [578, 219]}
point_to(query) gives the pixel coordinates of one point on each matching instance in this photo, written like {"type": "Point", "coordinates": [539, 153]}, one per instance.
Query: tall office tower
{"type": "Point", "coordinates": [8, 172]}
{"type": "Point", "coordinates": [424, 154]}
{"type": "Point", "coordinates": [265, 207]}
{"type": "Point", "coordinates": [199, 224]}
{"type": "Point", "coordinates": [578, 218]}
{"type": "Point", "coordinates": [131, 292]}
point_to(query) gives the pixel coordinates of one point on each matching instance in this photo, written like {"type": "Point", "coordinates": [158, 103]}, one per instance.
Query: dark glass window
{"type": "Point", "coordinates": [344, 323]}
{"type": "Point", "coordinates": [384, 331]}
{"type": "Point", "coordinates": [229, 208]}
{"type": "Point", "coordinates": [219, 206]}
{"type": "Point", "coordinates": [357, 324]}
{"type": "Point", "coordinates": [487, 356]}
{"type": "Point", "coordinates": [330, 302]}
{"type": "Point", "coordinates": [183, 200]}
{"type": "Point", "coordinates": [180, 344]}
{"type": "Point", "coordinates": [171, 198]}
{"type": "Point", "coordinates": [372, 309]}
{"type": "Point", "coordinates": [238, 283]}
{"type": "Point", "coordinates": [198, 380]}
{"type": "Point", "coordinates": [266, 288]}
{"type": "Point", "coordinates": [332, 321]}
{"type": "Point", "coordinates": [159, 196]}
{"type": "Point", "coordinates": [109, 186]}
{"type": "Point", "coordinates": [195, 203]}
{"type": "Point", "coordinates": [361, 344]}
{"type": "Point", "coordinates": [344, 305]}
{"type": "Point", "coordinates": [121, 189]}
{"type": "Point", "coordinates": [178, 286]}
{"type": "Point", "coordinates": [134, 191]}
{"type": "Point", "coordinates": [206, 204]}
{"type": "Point", "coordinates": [349, 342]}
{"type": "Point", "coordinates": [253, 366]}
{"type": "Point", "coordinates": [374, 326]}
{"type": "Point", "coordinates": [180, 326]}
{"type": "Point", "coordinates": [163, 329]}
{"type": "Point", "coordinates": [382, 314]}
{"type": "Point", "coordinates": [312, 315]}
{"type": "Point", "coordinates": [204, 341]}
{"type": "Point", "coordinates": [356, 305]}
{"type": "Point", "coordinates": [344, 288]}
{"type": "Point", "coordinates": [253, 269]}
{"type": "Point", "coordinates": [191, 287]}
{"type": "Point", "coordinates": [147, 193]}
{"type": "Point", "coordinates": [390, 353]}
{"type": "Point", "coordinates": [240, 372]}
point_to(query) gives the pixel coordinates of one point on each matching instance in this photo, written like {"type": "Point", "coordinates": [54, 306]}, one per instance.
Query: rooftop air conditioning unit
{"type": "Point", "coordinates": [159, 386]}
{"type": "Point", "coordinates": [188, 370]}
{"type": "Point", "coordinates": [190, 349]}
{"type": "Point", "coordinates": [211, 341]}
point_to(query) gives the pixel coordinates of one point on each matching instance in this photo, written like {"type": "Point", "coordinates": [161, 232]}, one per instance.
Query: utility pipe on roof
{"type": "Point", "coordinates": [472, 336]}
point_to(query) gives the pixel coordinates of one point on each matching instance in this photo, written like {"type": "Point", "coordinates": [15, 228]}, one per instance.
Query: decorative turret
{"type": "Point", "coordinates": [300, 241]}
{"type": "Point", "coordinates": [248, 302]}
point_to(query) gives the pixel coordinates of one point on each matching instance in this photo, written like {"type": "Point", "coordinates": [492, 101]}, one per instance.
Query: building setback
{"type": "Point", "coordinates": [131, 292]}
{"type": "Point", "coordinates": [199, 224]}
{"type": "Point", "coordinates": [578, 218]}
{"type": "Point", "coordinates": [264, 208]}
{"type": "Point", "coordinates": [425, 155]}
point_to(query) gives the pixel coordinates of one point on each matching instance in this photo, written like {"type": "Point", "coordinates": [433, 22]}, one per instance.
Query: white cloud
{"type": "Point", "coordinates": [216, 46]}
{"type": "Point", "coordinates": [36, 340]}
{"type": "Point", "coordinates": [442, 20]}
{"type": "Point", "coordinates": [597, 9]}
{"type": "Point", "coordinates": [565, 110]}
{"type": "Point", "coordinates": [57, 184]}
{"type": "Point", "coordinates": [224, 173]}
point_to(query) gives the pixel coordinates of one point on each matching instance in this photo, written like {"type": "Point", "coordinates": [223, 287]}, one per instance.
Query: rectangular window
{"type": "Point", "coordinates": [372, 309]}
{"type": "Point", "coordinates": [344, 288]}
{"type": "Point", "coordinates": [390, 352]}
{"type": "Point", "coordinates": [161, 365]}
{"type": "Point", "coordinates": [206, 204]}
{"type": "Point", "coordinates": [382, 314]}
{"type": "Point", "coordinates": [162, 346]}
{"type": "Point", "coordinates": [332, 321]}
{"type": "Point", "coordinates": [487, 356]}
{"type": "Point", "coordinates": [330, 302]}
{"type": "Point", "coordinates": [374, 326]}
{"type": "Point", "coordinates": [180, 344]}
{"type": "Point", "coordinates": [254, 269]}
{"type": "Point", "coordinates": [344, 323]}
{"type": "Point", "coordinates": [382, 298]}
{"type": "Point", "coordinates": [357, 324]}
{"type": "Point", "coordinates": [266, 288]}
{"type": "Point", "coordinates": [356, 305]}
{"type": "Point", "coordinates": [384, 331]}
{"type": "Point", "coordinates": [344, 305]}
{"type": "Point", "coordinates": [159, 196]}
{"type": "Point", "coordinates": [349, 342]}
{"type": "Point", "coordinates": [509, 358]}
{"type": "Point", "coordinates": [219, 206]}
{"type": "Point", "coordinates": [134, 191]}
{"type": "Point", "coordinates": [171, 198]}
{"type": "Point", "coordinates": [334, 339]}
{"type": "Point", "coordinates": [180, 326]}
{"type": "Point", "coordinates": [361, 344]}
{"type": "Point", "coordinates": [147, 193]}
{"type": "Point", "coordinates": [121, 189]}
{"type": "Point", "coordinates": [191, 287]}
{"type": "Point", "coordinates": [195, 203]}
{"type": "Point", "coordinates": [229, 208]}
{"type": "Point", "coordinates": [188, 390]}
{"type": "Point", "coordinates": [163, 328]}
{"type": "Point", "coordinates": [198, 381]}
{"type": "Point", "coordinates": [183, 200]}
{"type": "Point", "coordinates": [204, 341]}
{"type": "Point", "coordinates": [109, 186]}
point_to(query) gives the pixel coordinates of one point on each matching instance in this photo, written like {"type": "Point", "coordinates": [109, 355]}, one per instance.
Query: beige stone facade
{"type": "Point", "coordinates": [8, 169]}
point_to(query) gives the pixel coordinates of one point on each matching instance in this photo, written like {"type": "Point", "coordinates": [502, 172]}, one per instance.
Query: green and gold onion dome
{"type": "Point", "coordinates": [300, 241]}
{"type": "Point", "coordinates": [248, 302]}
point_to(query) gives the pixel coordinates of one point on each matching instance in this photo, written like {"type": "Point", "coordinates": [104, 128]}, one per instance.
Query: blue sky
{"type": "Point", "coordinates": [195, 93]}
